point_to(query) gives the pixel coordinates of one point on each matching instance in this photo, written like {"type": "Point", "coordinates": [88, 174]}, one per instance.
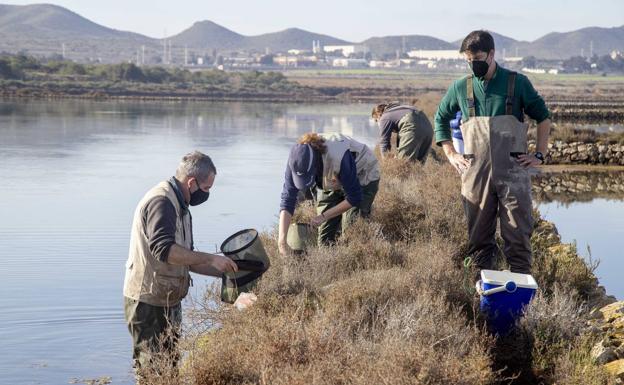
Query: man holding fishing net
{"type": "Point", "coordinates": [161, 256]}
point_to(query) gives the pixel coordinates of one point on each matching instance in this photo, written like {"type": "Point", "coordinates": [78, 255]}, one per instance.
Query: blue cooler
{"type": "Point", "coordinates": [503, 298]}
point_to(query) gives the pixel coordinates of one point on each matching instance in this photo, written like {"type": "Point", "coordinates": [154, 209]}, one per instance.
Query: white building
{"type": "Point", "coordinates": [439, 54]}
{"type": "Point", "coordinates": [384, 64]}
{"type": "Point", "coordinates": [298, 51]}
{"type": "Point", "coordinates": [350, 63]}
{"type": "Point", "coordinates": [295, 61]}
{"type": "Point", "coordinates": [347, 50]}
{"type": "Point", "coordinates": [534, 70]}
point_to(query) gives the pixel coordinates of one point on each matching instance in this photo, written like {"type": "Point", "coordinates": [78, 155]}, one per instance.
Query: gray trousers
{"type": "Point", "coordinates": [415, 136]}
{"type": "Point", "coordinates": [329, 230]}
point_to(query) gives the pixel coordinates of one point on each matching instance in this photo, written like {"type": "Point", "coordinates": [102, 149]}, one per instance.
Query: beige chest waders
{"type": "Point", "coordinates": [496, 186]}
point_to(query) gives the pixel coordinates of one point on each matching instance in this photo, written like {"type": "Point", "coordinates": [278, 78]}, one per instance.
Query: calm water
{"type": "Point", "coordinates": [597, 227]}
{"type": "Point", "coordinates": [73, 173]}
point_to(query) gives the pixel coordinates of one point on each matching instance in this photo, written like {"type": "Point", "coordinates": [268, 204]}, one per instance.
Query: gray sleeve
{"type": "Point", "coordinates": [385, 133]}
{"type": "Point", "coordinates": [159, 221]}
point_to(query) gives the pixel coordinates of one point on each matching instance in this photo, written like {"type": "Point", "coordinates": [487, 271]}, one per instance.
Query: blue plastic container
{"type": "Point", "coordinates": [503, 298]}
{"type": "Point", "coordinates": [456, 134]}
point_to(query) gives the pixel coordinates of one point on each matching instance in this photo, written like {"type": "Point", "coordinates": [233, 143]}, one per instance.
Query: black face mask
{"type": "Point", "coordinates": [479, 67]}
{"type": "Point", "coordinates": [198, 197]}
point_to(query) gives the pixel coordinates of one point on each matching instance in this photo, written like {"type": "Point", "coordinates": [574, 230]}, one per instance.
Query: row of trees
{"type": "Point", "coordinates": [27, 67]}
{"type": "Point", "coordinates": [580, 64]}
{"type": "Point", "coordinates": [605, 63]}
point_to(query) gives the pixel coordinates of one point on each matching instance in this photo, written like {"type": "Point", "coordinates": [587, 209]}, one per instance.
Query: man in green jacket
{"type": "Point", "coordinates": [495, 163]}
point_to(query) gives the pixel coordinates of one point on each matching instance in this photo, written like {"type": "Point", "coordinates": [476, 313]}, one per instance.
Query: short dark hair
{"type": "Point", "coordinates": [477, 41]}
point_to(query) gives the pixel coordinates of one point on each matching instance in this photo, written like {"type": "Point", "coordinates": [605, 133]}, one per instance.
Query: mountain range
{"type": "Point", "coordinates": [45, 29]}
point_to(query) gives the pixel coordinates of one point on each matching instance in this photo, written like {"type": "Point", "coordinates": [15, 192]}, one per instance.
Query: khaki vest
{"type": "Point", "coordinates": [365, 161]}
{"type": "Point", "coordinates": [148, 279]}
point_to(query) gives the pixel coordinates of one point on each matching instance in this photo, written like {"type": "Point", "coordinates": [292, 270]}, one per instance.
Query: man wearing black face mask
{"type": "Point", "coordinates": [495, 163]}
{"type": "Point", "coordinates": [161, 256]}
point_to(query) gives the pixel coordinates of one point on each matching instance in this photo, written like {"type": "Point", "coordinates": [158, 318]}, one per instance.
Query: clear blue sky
{"type": "Point", "coordinates": [353, 20]}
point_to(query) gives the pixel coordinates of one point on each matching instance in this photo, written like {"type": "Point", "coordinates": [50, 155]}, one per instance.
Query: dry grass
{"type": "Point", "coordinates": [388, 304]}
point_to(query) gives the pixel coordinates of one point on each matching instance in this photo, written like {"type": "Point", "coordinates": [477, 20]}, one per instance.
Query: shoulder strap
{"type": "Point", "coordinates": [470, 97]}
{"type": "Point", "coordinates": [511, 83]}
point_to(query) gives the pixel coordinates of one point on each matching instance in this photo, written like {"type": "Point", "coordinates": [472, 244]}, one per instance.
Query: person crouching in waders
{"type": "Point", "coordinates": [413, 129]}
{"type": "Point", "coordinates": [345, 174]}
{"type": "Point", "coordinates": [494, 167]}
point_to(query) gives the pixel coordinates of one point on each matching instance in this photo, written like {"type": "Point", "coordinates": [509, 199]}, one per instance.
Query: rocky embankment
{"type": "Point", "coordinates": [608, 322]}
{"type": "Point", "coordinates": [606, 315]}
{"type": "Point", "coordinates": [560, 152]}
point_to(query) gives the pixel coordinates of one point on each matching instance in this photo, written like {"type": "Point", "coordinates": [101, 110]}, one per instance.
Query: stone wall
{"type": "Point", "coordinates": [560, 152]}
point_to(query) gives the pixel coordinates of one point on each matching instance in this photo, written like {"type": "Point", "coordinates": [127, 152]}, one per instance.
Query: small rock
{"type": "Point", "coordinates": [594, 331]}
{"type": "Point", "coordinates": [613, 311]}
{"type": "Point", "coordinates": [616, 368]}
{"type": "Point", "coordinates": [245, 300]}
{"type": "Point", "coordinates": [601, 355]}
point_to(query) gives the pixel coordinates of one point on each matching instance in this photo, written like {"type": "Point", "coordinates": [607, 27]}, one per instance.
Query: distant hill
{"type": "Point", "coordinates": [44, 29]}
{"type": "Point", "coordinates": [51, 21]}
{"type": "Point", "coordinates": [288, 39]}
{"type": "Point", "coordinates": [504, 45]}
{"type": "Point", "coordinates": [388, 45]}
{"type": "Point", "coordinates": [206, 34]}
{"type": "Point", "coordinates": [562, 45]}
{"type": "Point", "coordinates": [557, 45]}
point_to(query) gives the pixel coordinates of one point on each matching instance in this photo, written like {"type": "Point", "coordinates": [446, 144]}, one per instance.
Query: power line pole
{"type": "Point", "coordinates": [63, 45]}
{"type": "Point", "coordinates": [170, 61]}
{"type": "Point", "coordinates": [164, 58]}
{"type": "Point", "coordinates": [185, 55]}
{"type": "Point", "coordinates": [143, 55]}
{"type": "Point", "coordinates": [591, 48]}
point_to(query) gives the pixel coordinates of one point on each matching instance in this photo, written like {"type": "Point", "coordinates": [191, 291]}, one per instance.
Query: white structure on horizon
{"type": "Point", "coordinates": [297, 51]}
{"type": "Point", "coordinates": [439, 54]}
{"type": "Point", "coordinates": [350, 63]}
{"type": "Point", "coordinates": [347, 50]}
{"type": "Point", "coordinates": [316, 47]}
{"type": "Point", "coordinates": [534, 70]}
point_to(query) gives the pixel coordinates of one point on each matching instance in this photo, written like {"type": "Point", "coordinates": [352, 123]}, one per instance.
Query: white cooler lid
{"type": "Point", "coordinates": [495, 277]}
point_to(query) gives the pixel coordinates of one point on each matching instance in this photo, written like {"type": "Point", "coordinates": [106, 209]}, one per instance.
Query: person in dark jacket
{"type": "Point", "coordinates": [413, 129]}
{"type": "Point", "coordinates": [345, 174]}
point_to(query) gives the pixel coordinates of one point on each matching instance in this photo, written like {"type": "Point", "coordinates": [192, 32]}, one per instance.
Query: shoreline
{"type": "Point", "coordinates": [579, 168]}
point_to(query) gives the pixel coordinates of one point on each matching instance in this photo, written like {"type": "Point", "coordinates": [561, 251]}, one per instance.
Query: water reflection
{"type": "Point", "coordinates": [69, 123]}
{"type": "Point", "coordinates": [578, 186]}
{"type": "Point", "coordinates": [598, 127]}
